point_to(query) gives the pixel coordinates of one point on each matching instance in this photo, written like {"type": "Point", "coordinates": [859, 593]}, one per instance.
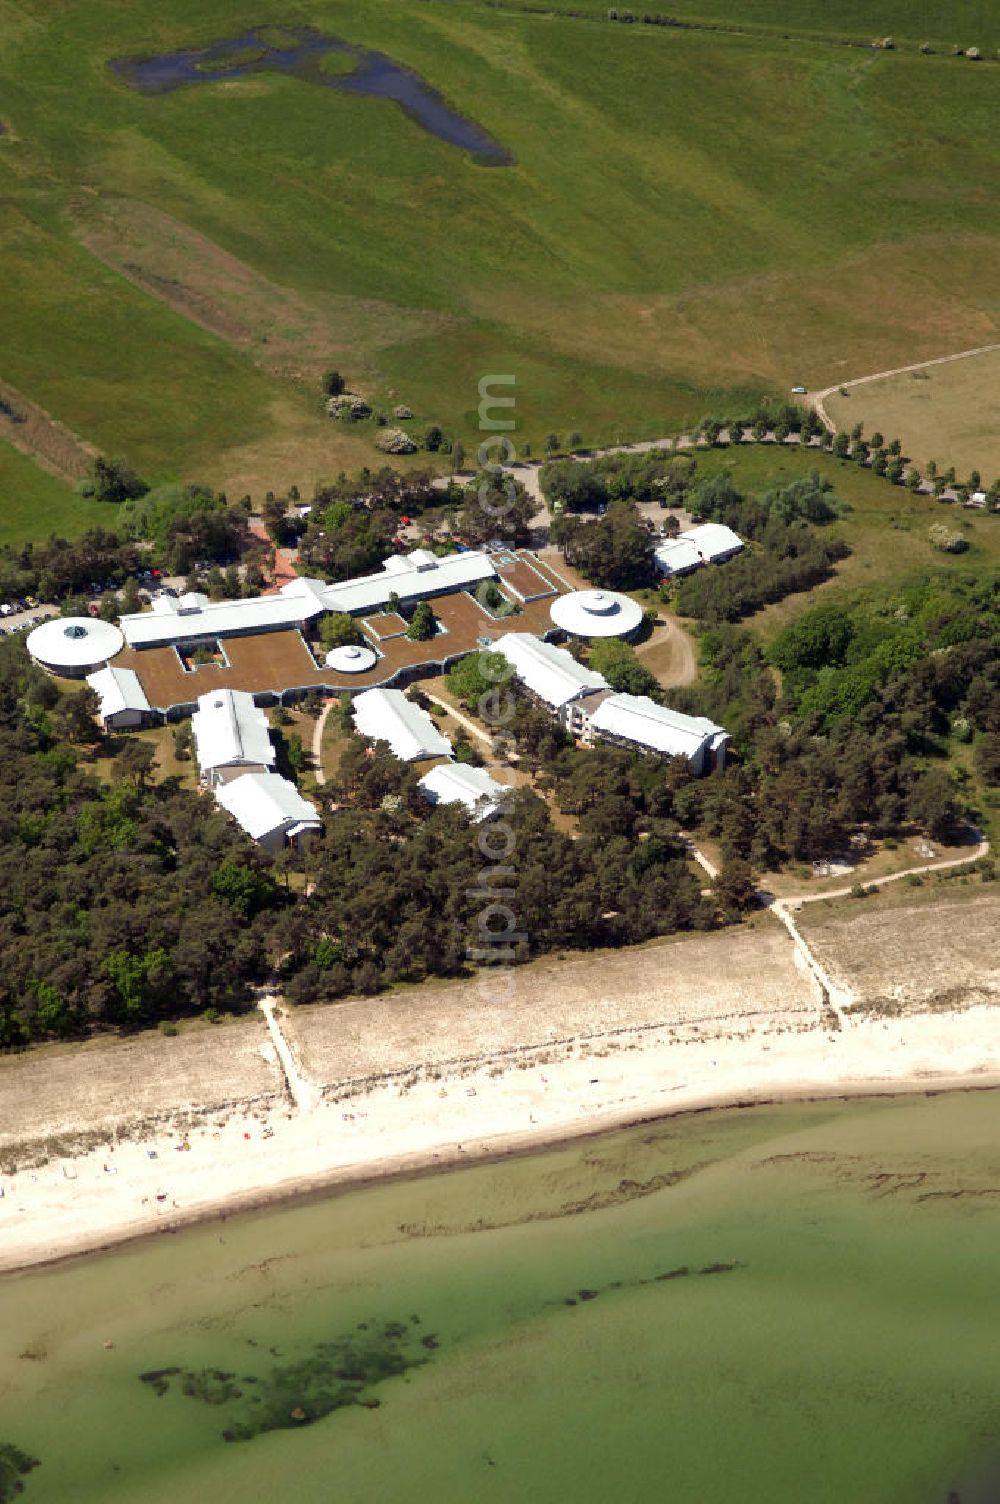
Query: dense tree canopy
{"type": "Point", "coordinates": [188, 523]}
{"type": "Point", "coordinates": [615, 551]}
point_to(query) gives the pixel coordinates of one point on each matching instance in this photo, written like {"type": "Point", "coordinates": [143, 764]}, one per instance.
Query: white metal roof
{"type": "Point", "coordinates": [191, 600]}
{"type": "Point", "coordinates": [596, 613]}
{"type": "Point", "coordinates": [549, 672]}
{"type": "Point", "coordinates": [409, 576]}
{"type": "Point", "coordinates": [264, 803]}
{"type": "Point", "coordinates": [351, 658]}
{"type": "Point", "coordinates": [119, 689]}
{"type": "Point", "coordinates": [74, 642]}
{"type": "Point", "coordinates": [713, 540]}
{"type": "Point", "coordinates": [386, 715]}
{"type": "Point", "coordinates": [294, 603]}
{"type": "Point", "coordinates": [636, 718]}
{"type": "Point", "coordinates": [229, 728]}
{"type": "Point", "coordinates": [461, 783]}
{"type": "Point", "coordinates": [677, 556]}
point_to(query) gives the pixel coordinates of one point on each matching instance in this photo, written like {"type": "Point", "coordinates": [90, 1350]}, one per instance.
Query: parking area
{"type": "Point", "coordinates": [22, 618]}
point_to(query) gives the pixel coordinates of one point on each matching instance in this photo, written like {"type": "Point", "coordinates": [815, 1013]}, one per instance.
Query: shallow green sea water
{"type": "Point", "coordinates": [840, 1345]}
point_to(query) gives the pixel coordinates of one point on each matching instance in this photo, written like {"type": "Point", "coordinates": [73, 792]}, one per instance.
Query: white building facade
{"type": "Point", "coordinates": [386, 715]}
{"type": "Point", "coordinates": [639, 722]}
{"type": "Point", "coordinates": [550, 674]}
{"type": "Point", "coordinates": [123, 706]}
{"type": "Point", "coordinates": [231, 736]}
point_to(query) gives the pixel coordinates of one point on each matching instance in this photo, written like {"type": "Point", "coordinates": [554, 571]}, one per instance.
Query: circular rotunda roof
{"type": "Point", "coordinates": [351, 659]}
{"type": "Point", "coordinates": [596, 613]}
{"type": "Point", "coordinates": [73, 642]}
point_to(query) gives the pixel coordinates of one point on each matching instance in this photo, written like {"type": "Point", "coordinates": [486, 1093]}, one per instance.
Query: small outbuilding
{"type": "Point", "coordinates": [123, 706]}
{"type": "Point", "coordinates": [461, 783]}
{"type": "Point", "coordinates": [270, 809]}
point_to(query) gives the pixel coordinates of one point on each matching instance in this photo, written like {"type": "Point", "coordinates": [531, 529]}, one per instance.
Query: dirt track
{"type": "Point", "coordinates": [815, 399]}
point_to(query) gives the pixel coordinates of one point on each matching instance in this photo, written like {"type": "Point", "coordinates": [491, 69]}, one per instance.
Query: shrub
{"type": "Point", "coordinates": [394, 441]}
{"type": "Point", "coordinates": [946, 539]}
{"type": "Point", "coordinates": [348, 409]}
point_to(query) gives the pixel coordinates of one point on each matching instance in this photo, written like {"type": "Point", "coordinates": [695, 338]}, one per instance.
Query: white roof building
{"type": "Point", "coordinates": [677, 556]}
{"type": "Point", "coordinates": [74, 646]}
{"type": "Point", "coordinates": [596, 613]}
{"type": "Point", "coordinates": [708, 543]}
{"type": "Point", "coordinates": [194, 615]}
{"type": "Point", "coordinates": [410, 576]}
{"type": "Point", "coordinates": [714, 541]}
{"type": "Point", "coordinates": [460, 783]}
{"type": "Point", "coordinates": [231, 731]}
{"type": "Point", "coordinates": [120, 693]}
{"type": "Point", "coordinates": [639, 721]}
{"type": "Point", "coordinates": [386, 715]}
{"type": "Point", "coordinates": [551, 673]}
{"type": "Point", "coordinates": [270, 809]}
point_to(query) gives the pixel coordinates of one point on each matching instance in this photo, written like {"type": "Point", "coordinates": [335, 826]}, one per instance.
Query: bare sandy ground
{"type": "Point", "coordinates": [55, 1099]}
{"type": "Point", "coordinates": [690, 987]}
{"type": "Point", "coordinates": [911, 952]}
{"type": "Point", "coordinates": [443, 1075]}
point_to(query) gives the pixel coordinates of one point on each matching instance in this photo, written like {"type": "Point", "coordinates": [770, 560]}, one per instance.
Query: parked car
{"type": "Point", "coordinates": [799, 391]}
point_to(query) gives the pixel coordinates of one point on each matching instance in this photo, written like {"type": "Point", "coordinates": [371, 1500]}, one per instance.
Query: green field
{"type": "Point", "coordinates": [693, 218]}
{"type": "Point", "coordinates": [32, 502]}
{"type": "Point", "coordinates": [886, 528]}
{"type": "Point", "coordinates": [940, 23]}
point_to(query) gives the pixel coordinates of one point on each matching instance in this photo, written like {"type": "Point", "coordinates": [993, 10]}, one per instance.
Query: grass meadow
{"type": "Point", "coordinates": [946, 413]}
{"type": "Point", "coordinates": [693, 219]}
{"type": "Point", "coordinates": [886, 528]}
{"type": "Point", "coordinates": [941, 24]}
{"type": "Point", "coordinates": [30, 497]}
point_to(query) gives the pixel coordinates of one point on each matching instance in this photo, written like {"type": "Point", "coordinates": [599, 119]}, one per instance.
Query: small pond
{"type": "Point", "coordinates": [309, 54]}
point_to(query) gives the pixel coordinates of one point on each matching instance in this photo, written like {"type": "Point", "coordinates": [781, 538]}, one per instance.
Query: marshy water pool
{"type": "Point", "coordinates": [773, 1304]}
{"type": "Point", "coordinates": [315, 57]}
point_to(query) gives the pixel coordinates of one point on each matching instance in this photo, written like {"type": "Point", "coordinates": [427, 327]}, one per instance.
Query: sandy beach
{"type": "Point", "coordinates": [439, 1075]}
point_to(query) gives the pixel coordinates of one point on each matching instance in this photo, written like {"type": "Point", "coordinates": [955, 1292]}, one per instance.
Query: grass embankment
{"type": "Point", "coordinates": [34, 503]}
{"type": "Point", "coordinates": [648, 258]}
{"type": "Point", "coordinates": [940, 23]}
